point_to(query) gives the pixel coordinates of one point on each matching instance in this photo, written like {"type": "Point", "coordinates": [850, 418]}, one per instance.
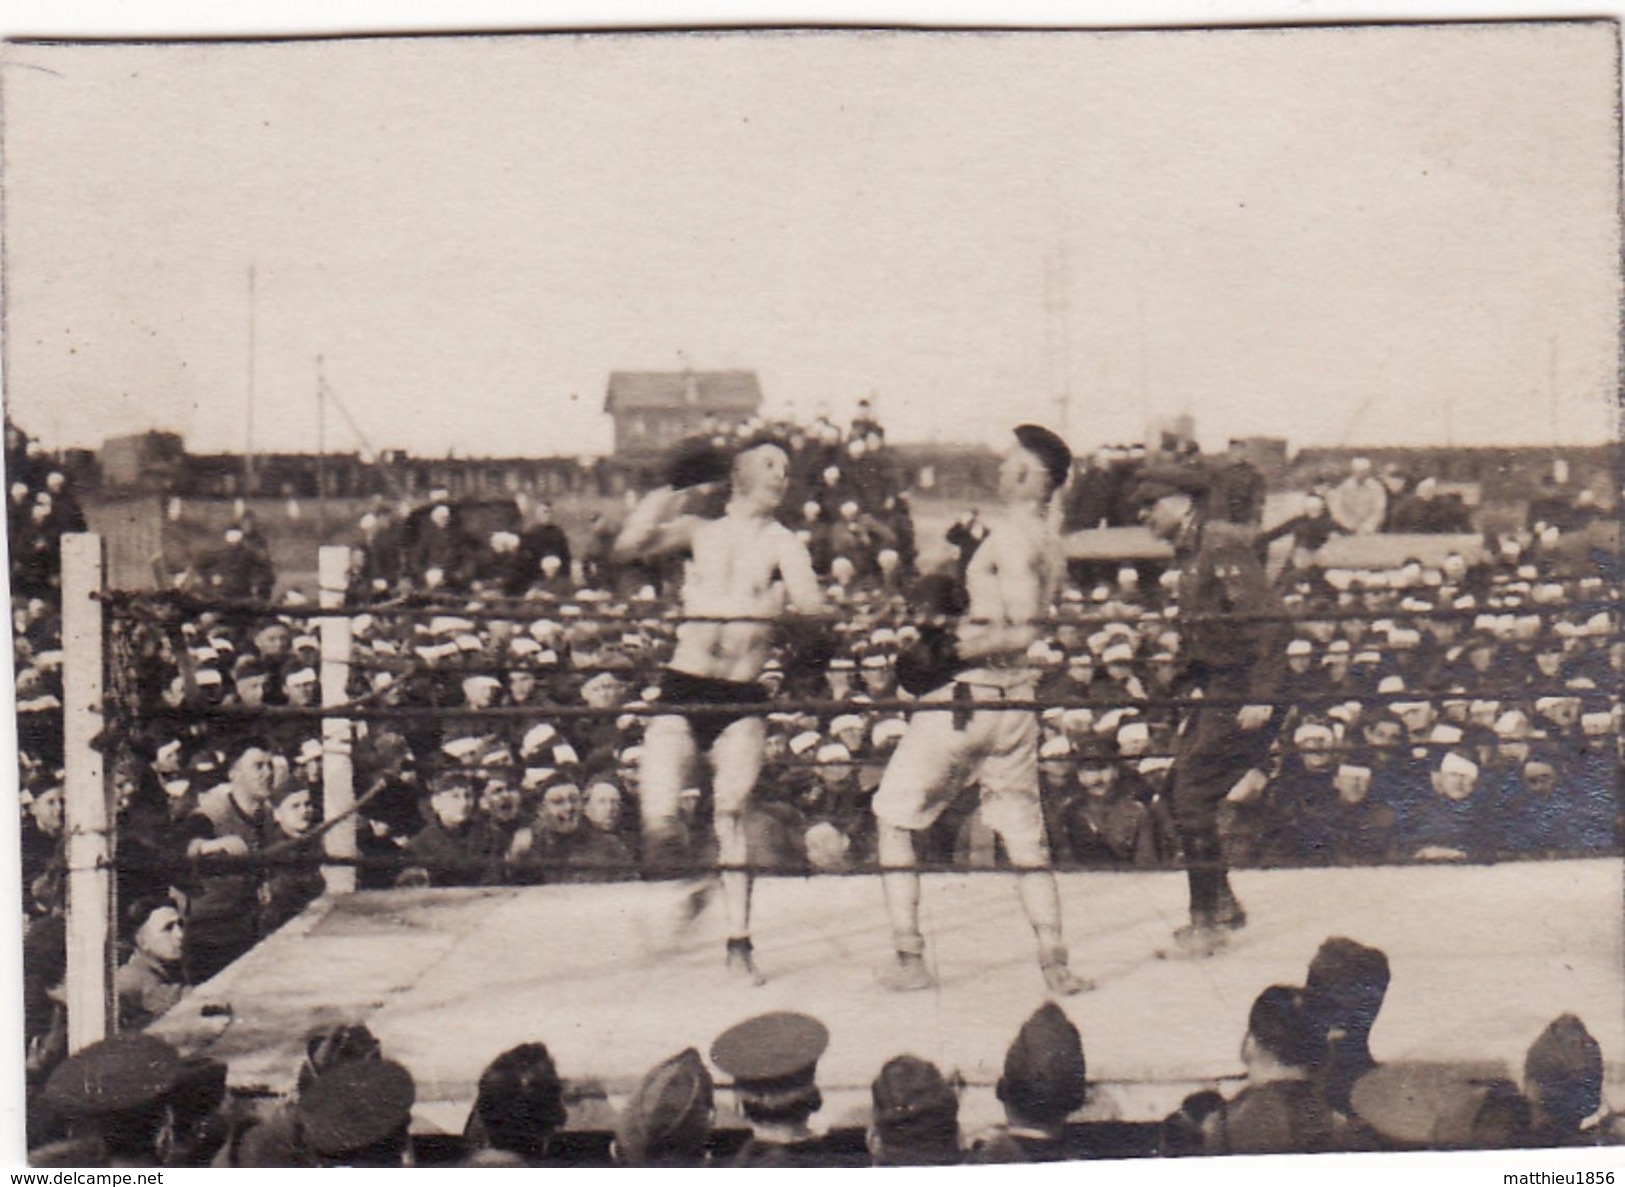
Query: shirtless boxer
{"type": "Point", "coordinates": [745, 564]}
{"type": "Point", "coordinates": [1009, 585]}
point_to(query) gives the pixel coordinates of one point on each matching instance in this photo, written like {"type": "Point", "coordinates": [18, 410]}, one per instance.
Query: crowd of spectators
{"type": "Point", "coordinates": [1461, 711]}
{"type": "Point", "coordinates": [1311, 1085]}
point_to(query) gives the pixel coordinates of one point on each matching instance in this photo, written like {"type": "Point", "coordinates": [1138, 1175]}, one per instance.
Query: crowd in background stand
{"type": "Point", "coordinates": [1437, 712]}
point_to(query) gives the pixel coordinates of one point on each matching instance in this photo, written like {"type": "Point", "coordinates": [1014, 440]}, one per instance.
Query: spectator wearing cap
{"type": "Point", "coordinates": [1338, 818]}
{"type": "Point", "coordinates": [604, 808]}
{"type": "Point", "coordinates": [1236, 493]}
{"type": "Point", "coordinates": [249, 677]}
{"type": "Point", "coordinates": [518, 1106]}
{"type": "Point", "coordinates": [153, 978]}
{"type": "Point", "coordinates": [114, 1098]}
{"type": "Point", "coordinates": [289, 888]}
{"type": "Point", "coordinates": [668, 1118]}
{"type": "Point", "coordinates": [301, 687]}
{"type": "Point", "coordinates": [1281, 1111]}
{"type": "Point", "coordinates": [443, 851]}
{"type": "Point", "coordinates": [359, 1114]}
{"type": "Point", "coordinates": [1425, 510]}
{"type": "Point", "coordinates": [236, 570]}
{"type": "Point", "coordinates": [1103, 822]}
{"type": "Point", "coordinates": [562, 847]}
{"type": "Point", "coordinates": [879, 679]}
{"type": "Point", "coordinates": [542, 539]}
{"type": "Point", "coordinates": [1118, 665]}
{"type": "Point", "coordinates": [1562, 1080]}
{"type": "Point", "coordinates": [227, 822]}
{"type": "Point", "coordinates": [438, 552]}
{"type": "Point", "coordinates": [835, 796]}
{"type": "Point", "coordinates": [44, 858]}
{"type": "Point", "coordinates": [1343, 992]}
{"type": "Point", "coordinates": [1359, 503]}
{"type": "Point", "coordinates": [1044, 1083]}
{"type": "Point", "coordinates": [1071, 681]}
{"type": "Point", "coordinates": [1308, 531]}
{"type": "Point", "coordinates": [915, 1116]}
{"type": "Point", "coordinates": [1539, 807]}
{"type": "Point", "coordinates": [773, 1062]}
{"type": "Point", "coordinates": [1450, 824]}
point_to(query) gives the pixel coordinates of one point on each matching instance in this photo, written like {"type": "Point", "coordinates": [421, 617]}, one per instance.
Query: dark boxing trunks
{"type": "Point", "coordinates": [685, 688]}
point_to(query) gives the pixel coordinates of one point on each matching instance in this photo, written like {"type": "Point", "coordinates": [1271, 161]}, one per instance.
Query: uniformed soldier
{"type": "Point", "coordinates": [1239, 659]}
{"type": "Point", "coordinates": [1044, 1082]}
{"type": "Point", "coordinates": [773, 1059]}
{"type": "Point", "coordinates": [667, 1120]}
{"type": "Point", "coordinates": [153, 978]}
{"type": "Point", "coordinates": [113, 1096]}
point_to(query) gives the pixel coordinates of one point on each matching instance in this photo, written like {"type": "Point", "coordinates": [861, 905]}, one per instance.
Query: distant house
{"type": "Point", "coordinates": [652, 409]}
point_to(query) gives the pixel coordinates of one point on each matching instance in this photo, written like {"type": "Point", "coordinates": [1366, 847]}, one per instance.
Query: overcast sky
{"type": "Point", "coordinates": [1382, 235]}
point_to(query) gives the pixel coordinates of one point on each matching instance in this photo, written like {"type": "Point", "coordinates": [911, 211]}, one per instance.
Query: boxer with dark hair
{"type": "Point", "coordinates": [962, 735]}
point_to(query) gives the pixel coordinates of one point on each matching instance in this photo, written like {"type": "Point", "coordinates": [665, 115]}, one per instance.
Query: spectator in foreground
{"type": "Point", "coordinates": [1343, 992]}
{"type": "Point", "coordinates": [519, 1106]}
{"type": "Point", "coordinates": [667, 1120]}
{"type": "Point", "coordinates": [915, 1121]}
{"type": "Point", "coordinates": [114, 1097]}
{"type": "Point", "coordinates": [1562, 1079]}
{"type": "Point", "coordinates": [773, 1059]}
{"type": "Point", "coordinates": [359, 1114]}
{"type": "Point", "coordinates": [1281, 1111]}
{"type": "Point", "coordinates": [1043, 1084]}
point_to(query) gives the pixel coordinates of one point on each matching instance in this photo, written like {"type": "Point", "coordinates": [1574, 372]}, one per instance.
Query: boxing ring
{"type": "Point", "coordinates": [449, 978]}
{"type": "Point", "coordinates": [612, 980]}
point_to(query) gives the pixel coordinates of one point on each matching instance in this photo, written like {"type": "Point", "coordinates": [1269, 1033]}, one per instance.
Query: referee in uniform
{"type": "Point", "coordinates": [1233, 644]}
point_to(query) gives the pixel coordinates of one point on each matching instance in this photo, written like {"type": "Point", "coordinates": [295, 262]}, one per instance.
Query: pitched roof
{"type": "Point", "coordinates": [717, 391]}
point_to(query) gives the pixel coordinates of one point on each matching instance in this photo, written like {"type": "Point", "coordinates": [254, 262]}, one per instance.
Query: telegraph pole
{"type": "Point", "coordinates": [248, 444]}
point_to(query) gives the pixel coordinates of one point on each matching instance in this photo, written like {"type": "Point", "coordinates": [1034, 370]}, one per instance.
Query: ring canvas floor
{"type": "Point", "coordinates": [606, 975]}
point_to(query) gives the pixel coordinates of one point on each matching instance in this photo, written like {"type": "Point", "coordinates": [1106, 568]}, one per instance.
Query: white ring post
{"type": "Point", "coordinates": [338, 777]}
{"type": "Point", "coordinates": [88, 815]}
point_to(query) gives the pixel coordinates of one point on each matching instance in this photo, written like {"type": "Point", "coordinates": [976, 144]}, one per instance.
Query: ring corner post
{"type": "Point", "coordinates": [88, 813]}
{"type": "Point", "coordinates": [338, 776]}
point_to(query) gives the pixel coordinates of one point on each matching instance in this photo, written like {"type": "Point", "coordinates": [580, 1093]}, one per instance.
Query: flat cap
{"type": "Point", "coordinates": [669, 1114]}
{"type": "Point", "coordinates": [116, 1075]}
{"type": "Point", "coordinates": [356, 1105]}
{"type": "Point", "coordinates": [771, 1053]}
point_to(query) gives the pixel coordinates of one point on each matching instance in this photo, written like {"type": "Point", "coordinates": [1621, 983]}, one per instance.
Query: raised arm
{"type": "Point", "coordinates": [658, 526]}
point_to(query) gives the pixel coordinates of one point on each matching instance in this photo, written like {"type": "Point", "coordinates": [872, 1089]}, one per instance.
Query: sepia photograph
{"type": "Point", "coordinates": [818, 597]}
